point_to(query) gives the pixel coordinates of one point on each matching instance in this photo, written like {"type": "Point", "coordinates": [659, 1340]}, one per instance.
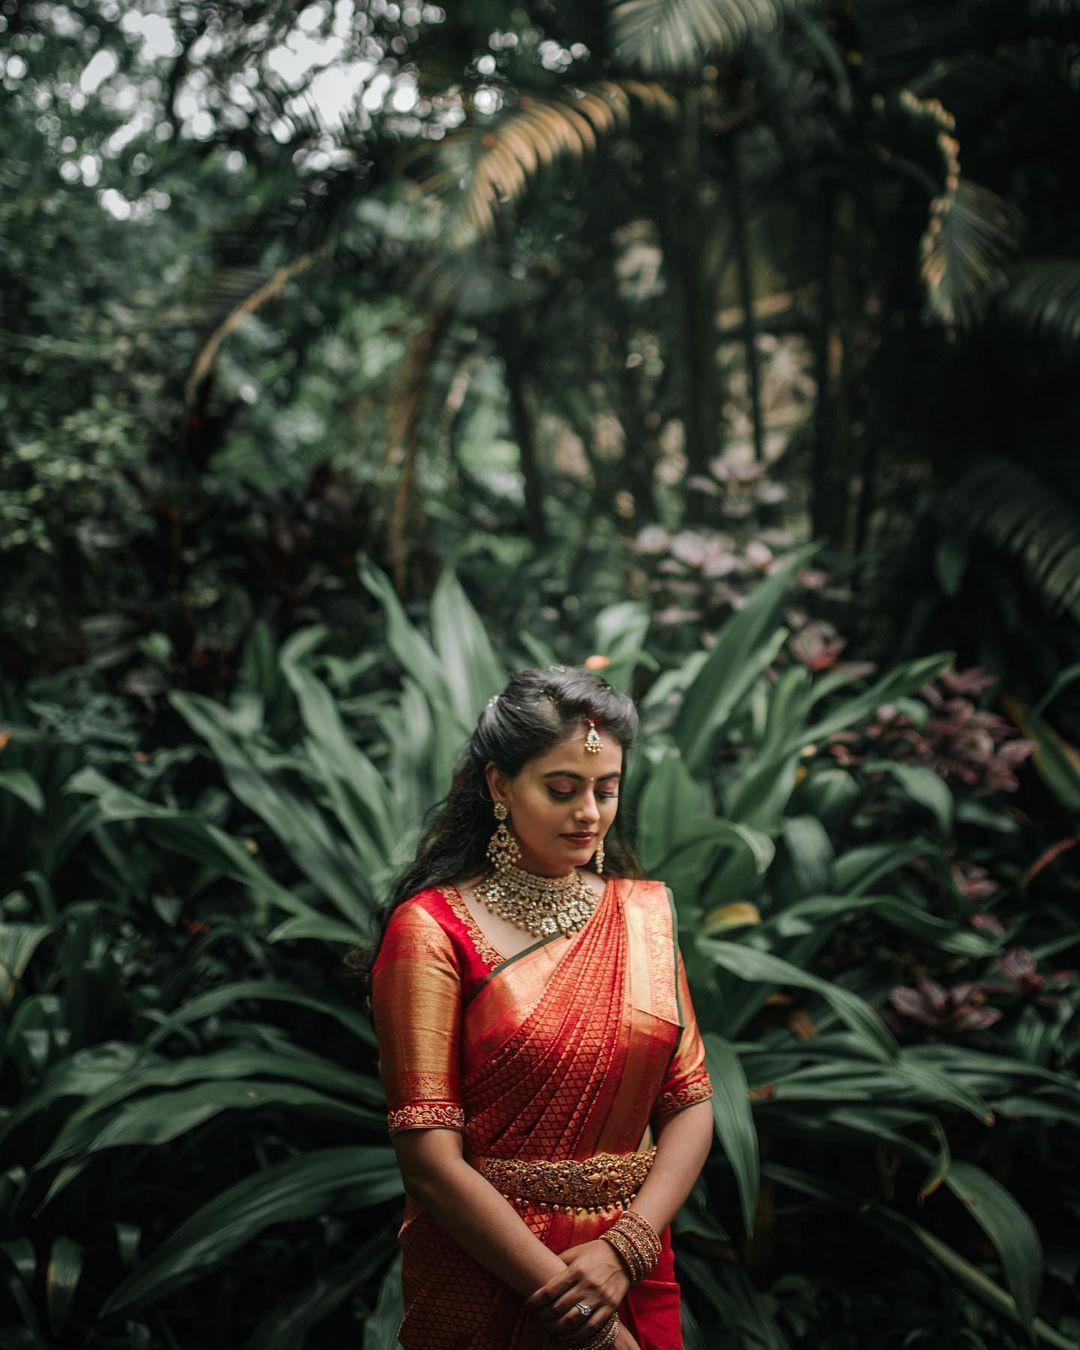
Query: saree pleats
{"type": "Point", "coordinates": [570, 1048]}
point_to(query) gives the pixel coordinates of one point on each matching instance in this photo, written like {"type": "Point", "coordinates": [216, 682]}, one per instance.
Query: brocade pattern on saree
{"type": "Point", "coordinates": [568, 1049]}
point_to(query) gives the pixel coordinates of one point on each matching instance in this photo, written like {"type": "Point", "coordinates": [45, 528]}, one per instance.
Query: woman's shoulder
{"type": "Point", "coordinates": [646, 890]}
{"type": "Point", "coordinates": [422, 915]}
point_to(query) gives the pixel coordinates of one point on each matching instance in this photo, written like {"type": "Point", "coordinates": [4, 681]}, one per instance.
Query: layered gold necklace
{"type": "Point", "coordinates": [541, 905]}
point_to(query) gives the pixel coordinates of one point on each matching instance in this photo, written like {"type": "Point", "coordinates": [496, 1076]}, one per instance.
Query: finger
{"type": "Point", "coordinates": [549, 1292]}
{"type": "Point", "coordinates": [571, 1328]}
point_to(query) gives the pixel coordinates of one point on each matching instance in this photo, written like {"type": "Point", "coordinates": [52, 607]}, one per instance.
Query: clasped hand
{"type": "Point", "coordinates": [593, 1275]}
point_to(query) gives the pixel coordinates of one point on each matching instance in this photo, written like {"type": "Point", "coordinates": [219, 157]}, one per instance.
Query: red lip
{"type": "Point", "coordinates": [580, 838]}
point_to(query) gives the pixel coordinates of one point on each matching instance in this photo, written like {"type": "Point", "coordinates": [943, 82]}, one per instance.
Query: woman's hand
{"type": "Point", "coordinates": [594, 1275]}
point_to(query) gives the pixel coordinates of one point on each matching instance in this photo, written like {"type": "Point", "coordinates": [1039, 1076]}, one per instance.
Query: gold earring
{"type": "Point", "coordinates": [600, 856]}
{"type": "Point", "coordinates": [502, 847]}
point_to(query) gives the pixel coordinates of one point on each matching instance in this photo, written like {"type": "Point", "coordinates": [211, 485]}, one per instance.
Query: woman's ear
{"type": "Point", "coordinates": [495, 781]}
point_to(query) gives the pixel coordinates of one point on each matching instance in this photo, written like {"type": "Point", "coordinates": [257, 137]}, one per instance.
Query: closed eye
{"type": "Point", "coordinates": [565, 796]}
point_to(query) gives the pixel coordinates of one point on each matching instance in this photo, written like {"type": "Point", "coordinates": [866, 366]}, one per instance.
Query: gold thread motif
{"type": "Point", "coordinates": [426, 1113]}
{"type": "Point", "coordinates": [700, 1090]}
{"type": "Point", "coordinates": [588, 1185]}
{"type": "Point", "coordinates": [480, 941]}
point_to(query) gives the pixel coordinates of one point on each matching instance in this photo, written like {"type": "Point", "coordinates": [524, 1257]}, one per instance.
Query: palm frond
{"type": "Point", "coordinates": [251, 302]}
{"type": "Point", "coordinates": [668, 37]}
{"type": "Point", "coordinates": [1029, 518]}
{"type": "Point", "coordinates": [971, 229]}
{"type": "Point", "coordinates": [1042, 298]}
{"type": "Point", "coordinates": [482, 167]}
{"type": "Point", "coordinates": [963, 250]}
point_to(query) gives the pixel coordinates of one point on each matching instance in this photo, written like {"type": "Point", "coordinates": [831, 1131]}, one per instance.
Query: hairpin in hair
{"type": "Point", "coordinates": [493, 700]}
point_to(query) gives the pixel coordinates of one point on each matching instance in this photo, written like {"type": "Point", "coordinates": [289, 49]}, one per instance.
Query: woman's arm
{"type": "Point", "coordinates": [683, 1141]}
{"type": "Point", "coordinates": [476, 1215]}
{"type": "Point", "coordinates": [484, 1223]}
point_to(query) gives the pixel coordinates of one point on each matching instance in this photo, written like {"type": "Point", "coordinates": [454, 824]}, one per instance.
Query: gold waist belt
{"type": "Point", "coordinates": [587, 1185]}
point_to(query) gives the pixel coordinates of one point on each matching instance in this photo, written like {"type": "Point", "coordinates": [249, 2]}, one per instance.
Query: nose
{"type": "Point", "coordinates": [588, 814]}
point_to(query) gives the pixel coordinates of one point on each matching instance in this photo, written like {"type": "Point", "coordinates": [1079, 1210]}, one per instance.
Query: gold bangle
{"type": "Point", "coordinates": [628, 1253]}
{"type": "Point", "coordinates": [604, 1336]}
{"type": "Point", "coordinates": [633, 1222]}
{"type": "Point", "coordinates": [639, 1237]}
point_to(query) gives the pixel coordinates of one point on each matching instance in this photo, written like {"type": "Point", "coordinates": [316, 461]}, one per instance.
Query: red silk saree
{"type": "Point", "coordinates": [570, 1048]}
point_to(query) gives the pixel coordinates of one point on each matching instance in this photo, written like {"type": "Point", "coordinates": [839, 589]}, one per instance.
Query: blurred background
{"type": "Point", "coordinates": [353, 355]}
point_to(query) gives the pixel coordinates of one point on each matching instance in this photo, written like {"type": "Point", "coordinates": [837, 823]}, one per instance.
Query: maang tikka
{"type": "Point", "coordinates": [593, 743]}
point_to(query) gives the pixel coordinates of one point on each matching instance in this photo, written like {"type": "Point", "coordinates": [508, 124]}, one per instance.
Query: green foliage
{"type": "Point", "coordinates": [198, 1030]}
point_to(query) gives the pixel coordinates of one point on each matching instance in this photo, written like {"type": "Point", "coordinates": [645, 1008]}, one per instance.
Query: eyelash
{"type": "Point", "coordinates": [565, 796]}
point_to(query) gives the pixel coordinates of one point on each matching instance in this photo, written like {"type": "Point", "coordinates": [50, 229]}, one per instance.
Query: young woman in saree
{"type": "Point", "coordinates": [547, 1096]}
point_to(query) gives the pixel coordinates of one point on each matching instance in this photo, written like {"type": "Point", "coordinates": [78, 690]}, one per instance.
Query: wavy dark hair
{"type": "Point", "coordinates": [539, 709]}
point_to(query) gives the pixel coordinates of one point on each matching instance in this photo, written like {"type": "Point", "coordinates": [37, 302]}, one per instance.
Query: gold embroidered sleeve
{"type": "Point", "coordinates": [416, 1006]}
{"type": "Point", "coordinates": [687, 1080]}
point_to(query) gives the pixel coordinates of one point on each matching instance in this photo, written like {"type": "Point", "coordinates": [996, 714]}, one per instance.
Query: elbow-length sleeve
{"type": "Point", "coordinates": [687, 1079]}
{"type": "Point", "coordinates": [416, 1008]}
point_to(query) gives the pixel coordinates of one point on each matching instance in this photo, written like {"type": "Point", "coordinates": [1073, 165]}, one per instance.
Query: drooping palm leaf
{"type": "Point", "coordinates": [1043, 299]}
{"type": "Point", "coordinates": [667, 37]}
{"type": "Point", "coordinates": [493, 163]}
{"type": "Point", "coordinates": [1023, 515]}
{"type": "Point", "coordinates": [963, 249]}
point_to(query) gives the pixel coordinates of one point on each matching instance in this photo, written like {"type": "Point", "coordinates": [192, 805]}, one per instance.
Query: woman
{"type": "Point", "coordinates": [535, 1031]}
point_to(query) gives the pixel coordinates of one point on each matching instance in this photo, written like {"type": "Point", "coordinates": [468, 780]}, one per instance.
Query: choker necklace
{"type": "Point", "coordinates": [541, 905]}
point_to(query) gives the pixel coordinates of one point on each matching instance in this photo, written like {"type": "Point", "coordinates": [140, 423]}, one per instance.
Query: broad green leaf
{"type": "Point", "coordinates": [919, 1240]}
{"type": "Point", "coordinates": [922, 785]}
{"type": "Point", "coordinates": [749, 964]}
{"type": "Point", "coordinates": [380, 1330]}
{"type": "Point", "coordinates": [82, 1074]}
{"type": "Point", "coordinates": [901, 680]}
{"type": "Point", "coordinates": [745, 644]}
{"type": "Point", "coordinates": [333, 1180]}
{"type": "Point", "coordinates": [1008, 1227]}
{"type": "Point", "coordinates": [18, 943]}
{"type": "Point", "coordinates": [277, 991]}
{"type": "Point", "coordinates": [733, 1120]}
{"type": "Point", "coordinates": [156, 1119]}
{"type": "Point", "coordinates": [471, 671]}
{"type": "Point", "coordinates": [413, 651]}
{"type": "Point", "coordinates": [286, 1325]}
{"type": "Point", "coordinates": [65, 1266]}
{"type": "Point", "coordinates": [810, 851]}
{"type": "Point", "coordinates": [314, 843]}
{"type": "Point", "coordinates": [22, 785]}
{"type": "Point", "coordinates": [238, 1062]}
{"type": "Point", "coordinates": [317, 926]}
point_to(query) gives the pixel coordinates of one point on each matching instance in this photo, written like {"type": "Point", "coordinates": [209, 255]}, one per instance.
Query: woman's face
{"type": "Point", "coordinates": [566, 791]}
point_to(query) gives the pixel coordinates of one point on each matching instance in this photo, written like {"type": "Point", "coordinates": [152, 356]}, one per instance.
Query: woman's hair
{"type": "Point", "coordinates": [539, 709]}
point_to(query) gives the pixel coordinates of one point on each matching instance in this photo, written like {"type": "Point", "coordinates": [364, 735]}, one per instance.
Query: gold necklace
{"type": "Point", "coordinates": [541, 905]}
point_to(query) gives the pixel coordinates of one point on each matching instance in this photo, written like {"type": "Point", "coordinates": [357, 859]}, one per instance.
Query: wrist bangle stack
{"type": "Point", "coordinates": [635, 1239]}
{"type": "Point", "coordinates": [605, 1336]}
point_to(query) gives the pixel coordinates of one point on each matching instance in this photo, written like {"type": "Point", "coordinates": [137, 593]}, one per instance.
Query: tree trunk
{"type": "Point", "coordinates": [744, 266]}
{"type": "Point", "coordinates": [692, 296]}
{"type": "Point", "coordinates": [522, 428]}
{"type": "Point", "coordinates": [828, 492]}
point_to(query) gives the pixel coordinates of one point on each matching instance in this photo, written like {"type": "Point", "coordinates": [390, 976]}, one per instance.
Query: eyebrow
{"type": "Point", "coordinates": [569, 773]}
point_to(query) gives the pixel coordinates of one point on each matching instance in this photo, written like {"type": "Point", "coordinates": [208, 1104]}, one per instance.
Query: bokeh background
{"type": "Point", "coordinates": [357, 354]}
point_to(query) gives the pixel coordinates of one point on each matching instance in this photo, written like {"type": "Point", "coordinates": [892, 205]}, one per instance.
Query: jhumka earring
{"type": "Point", "coordinates": [600, 856]}
{"type": "Point", "coordinates": [502, 847]}
{"type": "Point", "coordinates": [593, 743]}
